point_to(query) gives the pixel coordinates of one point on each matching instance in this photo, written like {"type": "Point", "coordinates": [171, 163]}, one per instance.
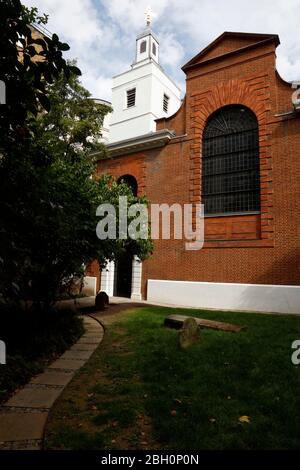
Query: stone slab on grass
{"type": "Point", "coordinates": [22, 426]}
{"type": "Point", "coordinates": [176, 321]}
{"type": "Point", "coordinates": [34, 397]}
{"type": "Point", "coordinates": [53, 377]}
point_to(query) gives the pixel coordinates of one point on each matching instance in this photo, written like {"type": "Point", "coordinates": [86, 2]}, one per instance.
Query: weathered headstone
{"type": "Point", "coordinates": [101, 300]}
{"type": "Point", "coordinates": [189, 333]}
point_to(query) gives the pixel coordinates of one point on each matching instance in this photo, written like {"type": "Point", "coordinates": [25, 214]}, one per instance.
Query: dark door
{"type": "Point", "coordinates": [124, 274]}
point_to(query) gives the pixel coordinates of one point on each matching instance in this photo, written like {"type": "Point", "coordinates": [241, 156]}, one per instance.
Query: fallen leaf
{"type": "Point", "coordinates": [177, 401]}
{"type": "Point", "coordinates": [244, 419]}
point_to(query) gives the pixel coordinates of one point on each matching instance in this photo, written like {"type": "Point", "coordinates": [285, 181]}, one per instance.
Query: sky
{"type": "Point", "coordinates": [102, 33]}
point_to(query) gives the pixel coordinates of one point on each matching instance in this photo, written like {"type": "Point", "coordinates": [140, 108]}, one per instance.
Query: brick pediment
{"type": "Point", "coordinates": [230, 42]}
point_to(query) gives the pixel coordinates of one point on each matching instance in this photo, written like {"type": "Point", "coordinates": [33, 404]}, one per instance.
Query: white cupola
{"type": "Point", "coordinates": [144, 93]}
{"type": "Point", "coordinates": [147, 44]}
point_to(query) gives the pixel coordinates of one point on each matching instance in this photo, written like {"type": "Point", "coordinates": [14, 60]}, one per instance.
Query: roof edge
{"type": "Point", "coordinates": [265, 38]}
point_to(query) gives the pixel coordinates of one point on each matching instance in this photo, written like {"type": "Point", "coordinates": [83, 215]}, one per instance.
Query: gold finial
{"type": "Point", "coordinates": [148, 15]}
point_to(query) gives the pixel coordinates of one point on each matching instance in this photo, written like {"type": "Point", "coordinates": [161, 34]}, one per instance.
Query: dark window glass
{"type": "Point", "coordinates": [153, 48]}
{"type": "Point", "coordinates": [143, 46]}
{"type": "Point", "coordinates": [230, 162]}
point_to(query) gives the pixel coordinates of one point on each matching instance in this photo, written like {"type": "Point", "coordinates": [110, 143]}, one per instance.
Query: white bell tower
{"type": "Point", "coordinates": [143, 93]}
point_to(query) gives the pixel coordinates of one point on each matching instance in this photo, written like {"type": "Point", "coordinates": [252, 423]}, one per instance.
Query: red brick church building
{"type": "Point", "coordinates": [234, 145]}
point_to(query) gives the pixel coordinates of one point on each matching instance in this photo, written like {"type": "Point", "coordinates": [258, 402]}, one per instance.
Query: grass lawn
{"type": "Point", "coordinates": [139, 390]}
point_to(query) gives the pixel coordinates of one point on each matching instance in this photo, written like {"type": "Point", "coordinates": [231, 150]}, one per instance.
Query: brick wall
{"type": "Point", "coordinates": [173, 174]}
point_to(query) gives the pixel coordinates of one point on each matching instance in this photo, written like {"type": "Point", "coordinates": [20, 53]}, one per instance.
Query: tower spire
{"type": "Point", "coordinates": [148, 16]}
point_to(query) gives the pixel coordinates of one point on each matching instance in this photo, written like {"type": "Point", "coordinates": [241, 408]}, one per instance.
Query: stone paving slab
{"type": "Point", "coordinates": [67, 364]}
{"type": "Point", "coordinates": [92, 336]}
{"type": "Point", "coordinates": [81, 355]}
{"type": "Point", "coordinates": [92, 328]}
{"type": "Point", "coordinates": [92, 340]}
{"type": "Point", "coordinates": [53, 377]}
{"type": "Point", "coordinates": [23, 417]}
{"type": "Point", "coordinates": [34, 397]}
{"type": "Point", "coordinates": [33, 444]}
{"type": "Point", "coordinates": [83, 347]}
{"type": "Point", "coordinates": [89, 323]}
{"type": "Point", "coordinates": [22, 426]}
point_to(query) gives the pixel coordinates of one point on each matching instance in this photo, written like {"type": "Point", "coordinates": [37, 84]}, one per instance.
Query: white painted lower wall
{"type": "Point", "coordinates": [225, 296]}
{"type": "Point", "coordinates": [89, 286]}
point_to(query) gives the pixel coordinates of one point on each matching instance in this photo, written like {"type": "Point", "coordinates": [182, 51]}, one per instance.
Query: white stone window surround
{"type": "Point", "coordinates": [136, 281]}
{"type": "Point", "coordinates": [154, 48]}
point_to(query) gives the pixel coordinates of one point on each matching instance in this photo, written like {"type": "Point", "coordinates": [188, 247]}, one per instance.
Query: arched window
{"type": "Point", "coordinates": [143, 47]}
{"type": "Point", "coordinates": [230, 162]}
{"type": "Point", "coordinates": [130, 181]}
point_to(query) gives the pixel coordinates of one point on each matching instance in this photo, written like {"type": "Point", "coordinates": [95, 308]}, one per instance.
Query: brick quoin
{"type": "Point", "coordinates": [255, 249]}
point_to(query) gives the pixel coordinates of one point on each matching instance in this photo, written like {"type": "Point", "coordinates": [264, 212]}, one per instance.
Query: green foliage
{"type": "Point", "coordinates": [49, 129]}
{"type": "Point", "coordinates": [32, 340]}
{"type": "Point", "coordinates": [48, 220]}
{"type": "Point", "coordinates": [25, 79]}
{"type": "Point", "coordinates": [73, 124]}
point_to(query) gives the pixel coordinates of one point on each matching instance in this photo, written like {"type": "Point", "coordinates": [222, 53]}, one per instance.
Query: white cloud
{"type": "Point", "coordinates": [102, 33]}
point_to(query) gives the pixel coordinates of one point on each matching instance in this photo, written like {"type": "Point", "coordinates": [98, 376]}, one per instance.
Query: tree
{"type": "Point", "coordinates": [48, 199]}
{"type": "Point", "coordinates": [27, 66]}
{"type": "Point", "coordinates": [73, 124]}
